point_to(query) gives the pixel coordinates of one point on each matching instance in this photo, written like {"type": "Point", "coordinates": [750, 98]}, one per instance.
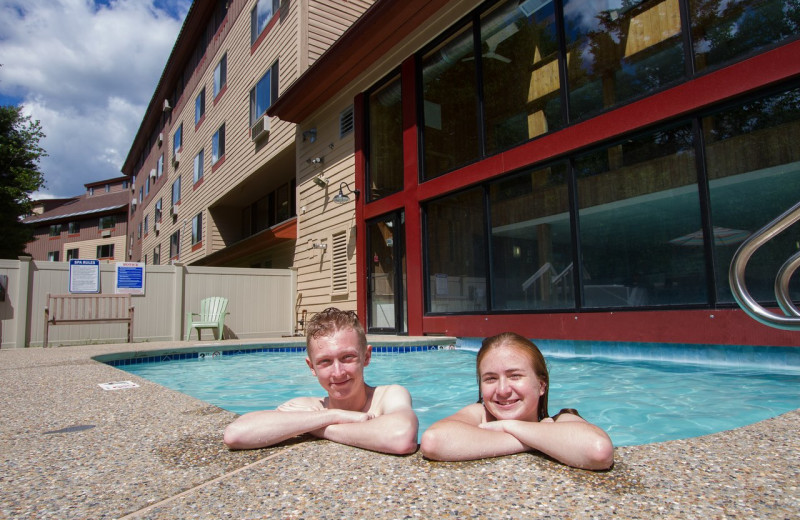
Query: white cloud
{"type": "Point", "coordinates": [87, 71]}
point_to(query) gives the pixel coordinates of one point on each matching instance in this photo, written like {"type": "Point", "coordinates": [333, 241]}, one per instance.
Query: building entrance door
{"type": "Point", "coordinates": [387, 300]}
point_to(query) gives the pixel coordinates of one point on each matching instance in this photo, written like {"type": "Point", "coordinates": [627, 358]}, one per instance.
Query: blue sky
{"type": "Point", "coordinates": [86, 69]}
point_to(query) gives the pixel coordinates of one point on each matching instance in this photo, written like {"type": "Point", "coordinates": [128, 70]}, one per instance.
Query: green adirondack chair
{"type": "Point", "coordinates": [211, 316]}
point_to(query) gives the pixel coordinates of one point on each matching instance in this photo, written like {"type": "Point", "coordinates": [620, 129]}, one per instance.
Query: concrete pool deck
{"type": "Point", "coordinates": [70, 449]}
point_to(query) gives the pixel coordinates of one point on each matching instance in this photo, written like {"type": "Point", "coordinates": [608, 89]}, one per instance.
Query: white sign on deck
{"type": "Point", "coordinates": [118, 385]}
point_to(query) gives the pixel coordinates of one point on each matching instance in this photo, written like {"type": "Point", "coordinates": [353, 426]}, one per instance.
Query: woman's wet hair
{"type": "Point", "coordinates": [525, 345]}
{"type": "Point", "coordinates": [332, 320]}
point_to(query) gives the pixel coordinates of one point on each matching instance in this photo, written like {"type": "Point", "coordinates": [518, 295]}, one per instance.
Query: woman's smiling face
{"type": "Point", "coordinates": [509, 385]}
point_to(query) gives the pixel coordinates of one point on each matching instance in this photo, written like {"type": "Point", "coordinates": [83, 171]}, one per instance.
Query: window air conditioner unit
{"type": "Point", "coordinates": [176, 159]}
{"type": "Point", "coordinates": [260, 130]}
{"type": "Point", "coordinates": [167, 106]}
{"type": "Point", "coordinates": [157, 227]}
{"type": "Point", "coordinates": [174, 211]}
{"type": "Point", "coordinates": [160, 138]}
{"type": "Point", "coordinates": [105, 233]}
{"type": "Point", "coordinates": [133, 202]}
{"type": "Point", "coordinates": [153, 173]}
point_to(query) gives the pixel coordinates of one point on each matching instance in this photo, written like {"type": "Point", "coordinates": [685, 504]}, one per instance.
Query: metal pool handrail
{"type": "Point", "coordinates": [791, 320]}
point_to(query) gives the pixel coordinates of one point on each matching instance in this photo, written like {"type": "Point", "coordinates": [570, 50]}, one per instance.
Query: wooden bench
{"type": "Point", "coordinates": [73, 309]}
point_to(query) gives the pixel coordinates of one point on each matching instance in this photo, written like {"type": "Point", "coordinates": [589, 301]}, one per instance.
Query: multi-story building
{"type": "Point", "coordinates": [565, 169]}
{"type": "Point", "coordinates": [93, 225]}
{"type": "Point", "coordinates": [213, 174]}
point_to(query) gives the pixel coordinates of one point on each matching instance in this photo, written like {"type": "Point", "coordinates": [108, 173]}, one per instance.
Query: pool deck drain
{"type": "Point", "coordinates": [69, 449]}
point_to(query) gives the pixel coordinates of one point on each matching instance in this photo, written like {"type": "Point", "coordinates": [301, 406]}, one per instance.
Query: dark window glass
{"type": "Point", "coordinates": [200, 106]}
{"type": "Point", "coordinates": [263, 94]}
{"type": "Point", "coordinates": [618, 50]}
{"type": "Point", "coordinates": [197, 228]}
{"type": "Point", "coordinates": [176, 191]}
{"type": "Point", "coordinates": [221, 74]}
{"type": "Point", "coordinates": [449, 105]}
{"type": "Point", "coordinates": [637, 199]}
{"type": "Point", "coordinates": [753, 163]}
{"type": "Point", "coordinates": [282, 203]}
{"type": "Point", "coordinates": [260, 16]}
{"type": "Point", "coordinates": [456, 246]}
{"type": "Point", "coordinates": [724, 30]}
{"type": "Point", "coordinates": [520, 73]}
{"type": "Point", "coordinates": [531, 241]}
{"type": "Point", "coordinates": [218, 145]}
{"type": "Point", "coordinates": [105, 251]}
{"type": "Point", "coordinates": [175, 245]}
{"type": "Point", "coordinates": [386, 140]}
{"type": "Point", "coordinates": [108, 222]}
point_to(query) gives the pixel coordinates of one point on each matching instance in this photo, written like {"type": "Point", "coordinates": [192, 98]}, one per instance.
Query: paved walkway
{"type": "Point", "coordinates": [69, 449]}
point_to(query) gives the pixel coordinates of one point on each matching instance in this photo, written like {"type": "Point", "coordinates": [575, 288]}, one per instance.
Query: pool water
{"type": "Point", "coordinates": [636, 402]}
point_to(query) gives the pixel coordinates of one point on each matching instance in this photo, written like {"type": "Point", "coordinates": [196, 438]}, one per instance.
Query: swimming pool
{"type": "Point", "coordinates": [635, 401]}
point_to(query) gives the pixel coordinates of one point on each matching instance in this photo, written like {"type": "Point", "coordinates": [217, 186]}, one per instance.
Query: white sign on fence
{"type": "Point", "coordinates": [84, 276]}
{"type": "Point", "coordinates": [129, 278]}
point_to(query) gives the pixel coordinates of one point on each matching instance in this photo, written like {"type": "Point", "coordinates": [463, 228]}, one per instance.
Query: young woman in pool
{"type": "Point", "coordinates": [511, 414]}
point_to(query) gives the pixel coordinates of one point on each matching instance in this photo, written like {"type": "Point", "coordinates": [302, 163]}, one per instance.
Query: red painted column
{"type": "Point", "coordinates": [361, 228]}
{"type": "Point", "coordinates": [413, 225]}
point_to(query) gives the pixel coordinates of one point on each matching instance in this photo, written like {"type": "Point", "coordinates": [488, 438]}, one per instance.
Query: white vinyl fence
{"type": "Point", "coordinates": [261, 303]}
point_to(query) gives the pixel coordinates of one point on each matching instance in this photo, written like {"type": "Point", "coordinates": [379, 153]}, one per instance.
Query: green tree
{"type": "Point", "coordinates": [19, 177]}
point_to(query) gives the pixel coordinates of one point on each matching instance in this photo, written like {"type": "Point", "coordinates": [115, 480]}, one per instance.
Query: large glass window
{"type": "Point", "coordinates": [722, 31]}
{"type": "Point", "coordinates": [456, 253]}
{"type": "Point", "coordinates": [260, 16]}
{"type": "Point", "coordinates": [263, 94]}
{"type": "Point", "coordinates": [521, 83]}
{"type": "Point", "coordinates": [449, 105]}
{"type": "Point", "coordinates": [618, 50]}
{"type": "Point", "coordinates": [637, 200]}
{"type": "Point", "coordinates": [753, 163]}
{"type": "Point", "coordinates": [531, 241]}
{"type": "Point", "coordinates": [55, 230]}
{"type": "Point", "coordinates": [385, 140]}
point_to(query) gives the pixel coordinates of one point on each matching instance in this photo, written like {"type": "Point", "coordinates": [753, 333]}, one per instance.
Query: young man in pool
{"type": "Point", "coordinates": [353, 413]}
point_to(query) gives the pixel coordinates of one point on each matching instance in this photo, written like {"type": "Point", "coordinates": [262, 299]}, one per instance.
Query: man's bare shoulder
{"type": "Point", "coordinates": [388, 398]}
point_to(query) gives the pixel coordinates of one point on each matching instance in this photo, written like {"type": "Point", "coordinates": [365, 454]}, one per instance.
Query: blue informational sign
{"type": "Point", "coordinates": [129, 278]}
{"type": "Point", "coordinates": [84, 276]}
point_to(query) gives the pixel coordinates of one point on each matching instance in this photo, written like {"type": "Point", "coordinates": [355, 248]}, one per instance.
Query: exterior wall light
{"type": "Point", "coordinates": [341, 198]}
